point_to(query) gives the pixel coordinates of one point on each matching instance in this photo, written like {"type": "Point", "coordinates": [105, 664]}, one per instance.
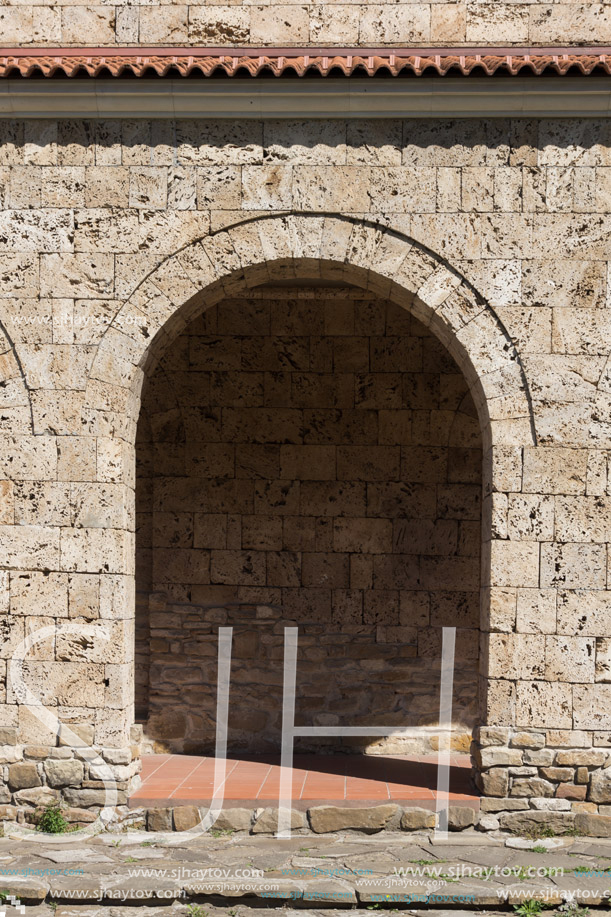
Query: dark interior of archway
{"type": "Point", "coordinates": [306, 455]}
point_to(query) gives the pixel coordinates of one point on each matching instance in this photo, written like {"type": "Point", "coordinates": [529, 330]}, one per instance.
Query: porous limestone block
{"type": "Point", "coordinates": [542, 704]}
{"type": "Point", "coordinates": [555, 470]}
{"type": "Point", "coordinates": [536, 611]}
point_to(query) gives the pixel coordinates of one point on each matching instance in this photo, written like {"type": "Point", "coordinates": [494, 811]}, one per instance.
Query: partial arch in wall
{"type": "Point", "coordinates": [16, 410]}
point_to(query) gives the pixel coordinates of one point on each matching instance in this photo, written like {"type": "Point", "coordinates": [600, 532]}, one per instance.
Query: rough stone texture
{"type": "Point", "coordinates": [534, 740]}
{"type": "Point", "coordinates": [593, 825]}
{"type": "Point", "coordinates": [503, 805]}
{"type": "Point", "coordinates": [494, 782]}
{"type": "Point", "coordinates": [159, 820]}
{"type": "Point", "coordinates": [122, 259]}
{"type": "Point", "coordinates": [461, 817]}
{"type": "Point", "coordinates": [600, 787]}
{"type": "Point", "coordinates": [589, 758]}
{"type": "Point", "coordinates": [550, 805]}
{"type": "Point", "coordinates": [91, 797]}
{"type": "Point", "coordinates": [186, 817]}
{"type": "Point", "coordinates": [492, 735]}
{"type": "Point", "coordinates": [234, 820]}
{"type": "Point", "coordinates": [525, 822]}
{"type": "Point", "coordinates": [489, 823]}
{"type": "Point", "coordinates": [112, 867]}
{"type": "Point", "coordinates": [328, 24]}
{"type": "Point", "coordinates": [23, 776]}
{"type": "Point", "coordinates": [324, 819]}
{"type": "Point", "coordinates": [266, 821]}
{"type": "Point", "coordinates": [570, 791]}
{"type": "Point", "coordinates": [64, 773]}
{"type": "Point", "coordinates": [414, 819]}
{"type": "Point", "coordinates": [36, 796]}
{"type": "Point", "coordinates": [534, 786]}
{"type": "Point", "coordinates": [498, 757]}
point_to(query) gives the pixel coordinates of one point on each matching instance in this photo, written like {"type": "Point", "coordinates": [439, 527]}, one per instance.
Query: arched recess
{"type": "Point", "coordinates": [364, 254]}
{"type": "Point", "coordinates": [331, 248]}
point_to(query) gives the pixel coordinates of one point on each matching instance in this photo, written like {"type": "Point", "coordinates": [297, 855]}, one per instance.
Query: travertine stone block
{"type": "Point", "coordinates": [531, 518]}
{"type": "Point", "coordinates": [169, 28]}
{"type": "Point", "coordinates": [514, 563]}
{"type": "Point", "coordinates": [81, 275]}
{"type": "Point", "coordinates": [500, 702]}
{"type": "Point", "coordinates": [572, 565]}
{"type": "Point", "coordinates": [544, 704]}
{"type": "Point", "coordinates": [219, 24]}
{"type": "Point", "coordinates": [516, 656]}
{"type": "Point", "coordinates": [569, 659]}
{"type": "Point", "coordinates": [364, 536]}
{"type": "Point", "coordinates": [448, 23]}
{"type": "Point", "coordinates": [558, 471]}
{"type": "Point", "coordinates": [581, 519]}
{"type": "Point", "coordinates": [498, 610]}
{"type": "Point", "coordinates": [584, 614]}
{"type": "Point", "coordinates": [603, 659]}
{"type": "Point", "coordinates": [590, 706]}
{"type": "Point", "coordinates": [536, 611]}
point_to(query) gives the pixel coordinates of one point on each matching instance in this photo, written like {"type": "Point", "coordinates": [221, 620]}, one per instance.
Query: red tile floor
{"type": "Point", "coordinates": [353, 780]}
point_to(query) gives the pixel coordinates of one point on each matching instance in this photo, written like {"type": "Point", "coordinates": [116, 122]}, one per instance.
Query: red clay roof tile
{"type": "Point", "coordinates": [184, 62]}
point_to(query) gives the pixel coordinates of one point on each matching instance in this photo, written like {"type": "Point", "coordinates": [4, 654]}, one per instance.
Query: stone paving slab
{"type": "Point", "coordinates": [238, 876]}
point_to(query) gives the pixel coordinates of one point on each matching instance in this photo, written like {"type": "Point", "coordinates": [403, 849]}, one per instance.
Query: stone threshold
{"type": "Point", "coordinates": [319, 819]}
{"type": "Point", "coordinates": [300, 805]}
{"type": "Point", "coordinates": [385, 818]}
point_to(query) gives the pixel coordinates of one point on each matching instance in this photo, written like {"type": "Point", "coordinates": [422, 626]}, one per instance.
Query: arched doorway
{"type": "Point", "coordinates": [331, 249]}
{"type": "Point", "coordinates": [307, 454]}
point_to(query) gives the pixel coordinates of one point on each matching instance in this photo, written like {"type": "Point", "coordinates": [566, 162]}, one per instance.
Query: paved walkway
{"type": "Point", "coordinates": [235, 876]}
{"type": "Point", "coordinates": [171, 780]}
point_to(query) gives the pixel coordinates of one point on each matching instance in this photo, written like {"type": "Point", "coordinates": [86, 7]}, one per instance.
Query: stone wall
{"type": "Point", "coordinates": [308, 456]}
{"type": "Point", "coordinates": [325, 24]}
{"type": "Point", "coordinates": [495, 234]}
{"type": "Point", "coordinates": [551, 778]}
{"type": "Point", "coordinates": [63, 770]}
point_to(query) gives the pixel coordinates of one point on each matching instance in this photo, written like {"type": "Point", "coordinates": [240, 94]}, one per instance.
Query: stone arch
{"type": "Point", "coordinates": [354, 251]}
{"type": "Point", "coordinates": [330, 247]}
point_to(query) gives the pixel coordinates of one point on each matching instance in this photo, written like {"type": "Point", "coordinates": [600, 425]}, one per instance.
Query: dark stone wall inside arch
{"type": "Point", "coordinates": [307, 456]}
